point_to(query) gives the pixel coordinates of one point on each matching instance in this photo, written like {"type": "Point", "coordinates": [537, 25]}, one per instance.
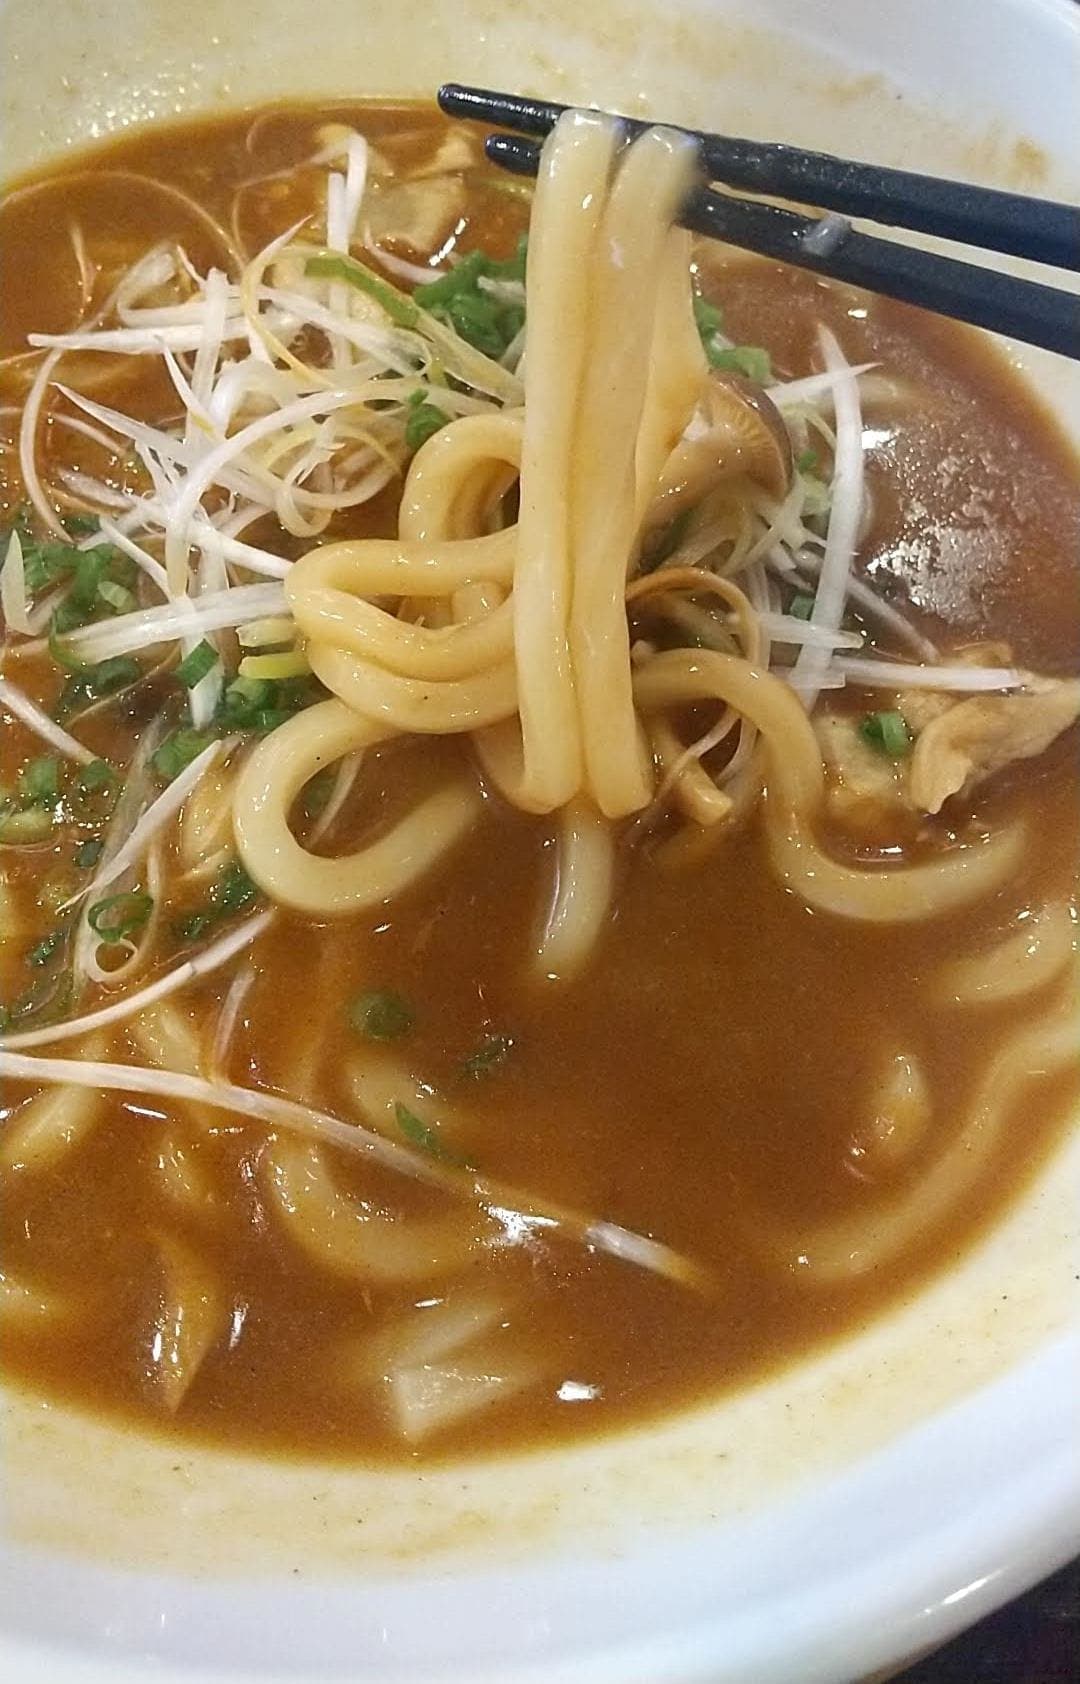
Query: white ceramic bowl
{"type": "Point", "coordinates": [831, 1521]}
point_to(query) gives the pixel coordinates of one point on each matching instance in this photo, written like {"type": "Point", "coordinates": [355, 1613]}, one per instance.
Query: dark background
{"type": "Point", "coordinates": [1035, 1640]}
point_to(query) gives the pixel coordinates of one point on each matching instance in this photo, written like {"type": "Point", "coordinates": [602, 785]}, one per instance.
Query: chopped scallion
{"type": "Point", "coordinates": [195, 666]}
{"type": "Point", "coordinates": [58, 649]}
{"type": "Point", "coordinates": [485, 319]}
{"type": "Point", "coordinates": [332, 266]}
{"type": "Point", "coordinates": [117, 597]}
{"type": "Point", "coordinates": [49, 997]}
{"type": "Point", "coordinates": [477, 317]}
{"type": "Point", "coordinates": [44, 951]}
{"type": "Point", "coordinates": [101, 578]}
{"type": "Point", "coordinates": [251, 703]}
{"type": "Point", "coordinates": [887, 732]}
{"type": "Point", "coordinates": [461, 278]}
{"type": "Point", "coordinates": [98, 775]}
{"type": "Point", "coordinates": [232, 891]}
{"type": "Point", "coordinates": [381, 1015]}
{"type": "Point", "coordinates": [244, 696]}
{"type": "Point", "coordinates": [88, 853]}
{"type": "Point", "coordinates": [423, 1135]}
{"type": "Point", "coordinates": [708, 318]}
{"type": "Point", "coordinates": [111, 675]}
{"type": "Point", "coordinates": [120, 916]}
{"type": "Point", "coordinates": [39, 782]}
{"type": "Point", "coordinates": [32, 824]}
{"type": "Point", "coordinates": [492, 1051]}
{"type": "Point", "coordinates": [817, 497]}
{"type": "Point", "coordinates": [750, 360]}
{"type": "Point", "coordinates": [177, 752]}
{"type": "Point", "coordinates": [423, 421]}
{"type": "Point", "coordinates": [91, 683]}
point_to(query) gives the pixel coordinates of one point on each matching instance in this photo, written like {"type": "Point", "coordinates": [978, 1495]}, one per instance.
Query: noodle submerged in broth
{"type": "Point", "coordinates": [538, 822]}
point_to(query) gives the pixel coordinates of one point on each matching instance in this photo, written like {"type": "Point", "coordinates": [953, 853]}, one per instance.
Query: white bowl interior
{"type": "Point", "coordinates": [821, 1520]}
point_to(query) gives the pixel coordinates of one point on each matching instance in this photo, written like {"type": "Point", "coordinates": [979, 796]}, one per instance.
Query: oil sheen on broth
{"type": "Point", "coordinates": [761, 1086]}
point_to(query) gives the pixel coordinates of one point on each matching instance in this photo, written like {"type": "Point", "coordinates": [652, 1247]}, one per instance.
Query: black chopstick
{"type": "Point", "coordinates": [1015, 223]}
{"type": "Point", "coordinates": [1006, 222]}
{"type": "Point", "coordinates": [1025, 310]}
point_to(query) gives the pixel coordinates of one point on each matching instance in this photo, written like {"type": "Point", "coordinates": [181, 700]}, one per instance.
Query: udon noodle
{"type": "Point", "coordinates": [405, 600]}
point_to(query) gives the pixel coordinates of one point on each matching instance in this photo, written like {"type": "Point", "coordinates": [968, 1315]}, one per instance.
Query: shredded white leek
{"type": "Point", "coordinates": [231, 1007]}
{"type": "Point", "coordinates": [787, 394]}
{"type": "Point", "coordinates": [864, 597]}
{"type": "Point", "coordinates": [42, 726]}
{"type": "Point", "coordinates": [787, 628]}
{"type": "Point", "coordinates": [199, 965]}
{"type": "Point", "coordinates": [28, 433]}
{"type": "Point", "coordinates": [897, 675]}
{"type": "Point", "coordinates": [186, 617]}
{"type": "Point", "coordinates": [811, 666]}
{"type": "Point", "coordinates": [159, 813]}
{"type": "Point", "coordinates": [13, 598]}
{"type": "Point", "coordinates": [275, 1112]}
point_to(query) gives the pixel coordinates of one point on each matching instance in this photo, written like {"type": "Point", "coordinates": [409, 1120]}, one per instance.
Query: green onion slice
{"type": "Point", "coordinates": [195, 666]}
{"type": "Point", "coordinates": [98, 775]}
{"type": "Point", "coordinates": [88, 853]}
{"type": "Point", "coordinates": [39, 781]}
{"type": "Point", "coordinates": [887, 732]}
{"type": "Point", "coordinates": [332, 266]}
{"type": "Point", "coordinates": [421, 1134]}
{"type": "Point", "coordinates": [177, 752]}
{"type": "Point", "coordinates": [120, 916]}
{"type": "Point", "coordinates": [492, 1051]}
{"type": "Point", "coordinates": [424, 420]}
{"type": "Point", "coordinates": [33, 824]}
{"type": "Point", "coordinates": [381, 1015]}
{"type": "Point", "coordinates": [46, 949]}
{"type": "Point", "coordinates": [753, 361]}
{"type": "Point", "coordinates": [232, 891]}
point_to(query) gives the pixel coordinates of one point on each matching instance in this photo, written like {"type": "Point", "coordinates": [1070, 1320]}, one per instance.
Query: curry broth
{"type": "Point", "coordinates": [702, 1081]}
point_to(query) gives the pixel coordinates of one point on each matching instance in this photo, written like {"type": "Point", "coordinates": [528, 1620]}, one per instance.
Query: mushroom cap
{"type": "Point", "coordinates": [737, 431]}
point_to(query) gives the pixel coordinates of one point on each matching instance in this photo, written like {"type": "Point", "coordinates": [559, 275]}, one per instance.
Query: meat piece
{"type": "Point", "coordinates": [973, 739]}
{"type": "Point", "coordinates": [960, 741]}
{"type": "Point", "coordinates": [420, 214]}
{"type": "Point", "coordinates": [458, 150]}
{"type": "Point", "coordinates": [866, 791]}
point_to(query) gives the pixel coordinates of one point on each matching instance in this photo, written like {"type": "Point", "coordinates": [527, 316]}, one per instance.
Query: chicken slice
{"type": "Point", "coordinates": [959, 743]}
{"type": "Point", "coordinates": [458, 150]}
{"type": "Point", "coordinates": [420, 214]}
{"type": "Point", "coordinates": [973, 739]}
{"type": "Point", "coordinates": [866, 791]}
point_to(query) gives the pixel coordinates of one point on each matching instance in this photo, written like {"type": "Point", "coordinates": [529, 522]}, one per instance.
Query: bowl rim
{"type": "Point", "coordinates": [891, 1593]}
{"type": "Point", "coordinates": [1013, 1514]}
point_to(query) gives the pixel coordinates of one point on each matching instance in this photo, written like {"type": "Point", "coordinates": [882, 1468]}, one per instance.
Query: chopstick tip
{"type": "Point", "coordinates": [513, 152]}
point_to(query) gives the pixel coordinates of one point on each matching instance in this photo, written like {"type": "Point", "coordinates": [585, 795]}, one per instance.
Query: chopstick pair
{"type": "Point", "coordinates": [1009, 223]}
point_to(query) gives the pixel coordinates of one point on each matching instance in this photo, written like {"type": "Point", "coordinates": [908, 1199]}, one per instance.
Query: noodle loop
{"type": "Point", "coordinates": [272, 779]}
